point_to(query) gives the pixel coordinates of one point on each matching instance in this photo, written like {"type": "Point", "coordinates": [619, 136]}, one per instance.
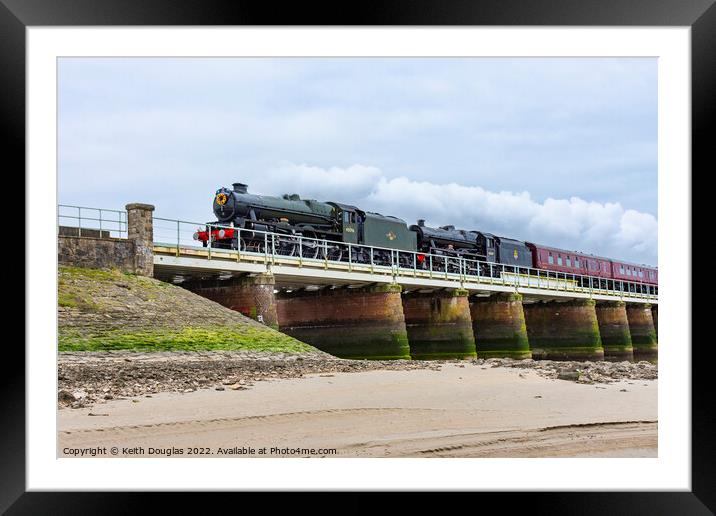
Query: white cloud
{"type": "Point", "coordinates": [574, 224]}
{"type": "Point", "coordinates": [443, 138]}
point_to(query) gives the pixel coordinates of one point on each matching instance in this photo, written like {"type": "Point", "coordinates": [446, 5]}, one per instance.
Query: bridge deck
{"type": "Point", "coordinates": [172, 262]}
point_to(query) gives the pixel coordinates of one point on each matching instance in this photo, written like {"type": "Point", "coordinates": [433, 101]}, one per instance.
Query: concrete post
{"type": "Point", "coordinates": [252, 296]}
{"type": "Point", "coordinates": [565, 330]}
{"type": "Point", "coordinates": [140, 231]}
{"type": "Point", "coordinates": [348, 323]}
{"type": "Point", "coordinates": [614, 330]}
{"type": "Point", "coordinates": [641, 327]}
{"type": "Point", "coordinates": [498, 323]}
{"type": "Point", "coordinates": [439, 325]}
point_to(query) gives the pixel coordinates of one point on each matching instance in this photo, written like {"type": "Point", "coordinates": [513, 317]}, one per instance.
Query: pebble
{"type": "Point", "coordinates": [86, 378]}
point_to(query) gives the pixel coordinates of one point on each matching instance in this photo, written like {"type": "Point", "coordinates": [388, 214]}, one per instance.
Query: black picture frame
{"type": "Point", "coordinates": [700, 15]}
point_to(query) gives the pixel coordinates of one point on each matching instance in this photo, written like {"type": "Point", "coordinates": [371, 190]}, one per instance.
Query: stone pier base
{"type": "Point", "coordinates": [643, 333]}
{"type": "Point", "coordinates": [439, 325]}
{"type": "Point", "coordinates": [564, 330]}
{"type": "Point", "coordinates": [614, 330]}
{"type": "Point", "coordinates": [253, 296]}
{"type": "Point", "coordinates": [498, 323]}
{"type": "Point", "coordinates": [348, 323]}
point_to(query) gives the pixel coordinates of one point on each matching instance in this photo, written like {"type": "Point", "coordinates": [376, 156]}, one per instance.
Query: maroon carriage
{"type": "Point", "coordinates": [635, 273]}
{"type": "Point", "coordinates": [569, 262]}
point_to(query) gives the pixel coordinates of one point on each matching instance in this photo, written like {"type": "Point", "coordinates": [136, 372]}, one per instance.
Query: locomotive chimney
{"type": "Point", "coordinates": [421, 222]}
{"type": "Point", "coordinates": [240, 187]}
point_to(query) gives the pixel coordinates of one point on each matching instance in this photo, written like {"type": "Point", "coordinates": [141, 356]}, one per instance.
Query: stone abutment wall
{"type": "Point", "coordinates": [252, 296]}
{"type": "Point", "coordinates": [96, 250]}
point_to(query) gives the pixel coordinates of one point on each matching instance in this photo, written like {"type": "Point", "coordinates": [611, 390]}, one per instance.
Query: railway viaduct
{"type": "Point", "coordinates": [375, 311]}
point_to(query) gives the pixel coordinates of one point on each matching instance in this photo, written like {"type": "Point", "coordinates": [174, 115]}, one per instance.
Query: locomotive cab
{"type": "Point", "coordinates": [352, 221]}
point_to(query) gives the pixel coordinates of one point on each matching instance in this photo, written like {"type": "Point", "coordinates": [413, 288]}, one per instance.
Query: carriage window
{"type": "Point", "coordinates": [551, 258]}
{"type": "Point", "coordinates": [569, 261]}
{"type": "Point", "coordinates": [576, 263]}
{"type": "Point", "coordinates": [559, 259]}
{"type": "Point", "coordinates": [641, 274]}
{"type": "Point", "coordinates": [346, 217]}
{"type": "Point", "coordinates": [621, 269]}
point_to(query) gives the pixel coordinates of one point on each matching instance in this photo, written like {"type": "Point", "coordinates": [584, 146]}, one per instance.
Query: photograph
{"type": "Point", "coordinates": [412, 247]}
{"type": "Point", "coordinates": [357, 257]}
{"type": "Point", "coordinates": [294, 253]}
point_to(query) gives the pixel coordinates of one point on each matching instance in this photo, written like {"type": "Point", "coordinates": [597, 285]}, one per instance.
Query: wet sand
{"type": "Point", "coordinates": [457, 411]}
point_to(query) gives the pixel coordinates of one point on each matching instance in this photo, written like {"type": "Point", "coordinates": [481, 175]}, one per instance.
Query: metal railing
{"type": "Point", "coordinates": [177, 237]}
{"type": "Point", "coordinates": [92, 221]}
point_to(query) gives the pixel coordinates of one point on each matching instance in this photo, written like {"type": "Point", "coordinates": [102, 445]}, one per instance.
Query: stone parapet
{"type": "Point", "coordinates": [96, 253]}
{"type": "Point", "coordinates": [140, 230]}
{"type": "Point", "coordinates": [439, 325]}
{"type": "Point", "coordinates": [95, 249]}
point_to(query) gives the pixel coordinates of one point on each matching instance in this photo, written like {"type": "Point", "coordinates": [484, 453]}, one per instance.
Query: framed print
{"type": "Point", "coordinates": [364, 167]}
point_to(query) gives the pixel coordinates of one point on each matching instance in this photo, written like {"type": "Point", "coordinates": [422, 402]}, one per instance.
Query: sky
{"type": "Point", "coordinates": [558, 151]}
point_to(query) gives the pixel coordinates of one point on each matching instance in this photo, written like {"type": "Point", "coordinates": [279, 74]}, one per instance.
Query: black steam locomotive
{"type": "Point", "coordinates": [321, 229]}
{"type": "Point", "coordinates": [314, 229]}
{"type": "Point", "coordinates": [309, 227]}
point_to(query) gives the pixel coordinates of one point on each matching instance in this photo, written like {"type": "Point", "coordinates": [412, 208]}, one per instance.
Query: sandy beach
{"type": "Point", "coordinates": [455, 410]}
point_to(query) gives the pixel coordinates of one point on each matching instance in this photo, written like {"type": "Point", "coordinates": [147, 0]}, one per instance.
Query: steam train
{"type": "Point", "coordinates": [317, 229]}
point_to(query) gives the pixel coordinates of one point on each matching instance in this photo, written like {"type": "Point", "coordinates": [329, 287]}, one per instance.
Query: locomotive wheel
{"type": "Point", "coordinates": [405, 260]}
{"type": "Point", "coordinates": [310, 251]}
{"type": "Point", "coordinates": [255, 247]}
{"type": "Point", "coordinates": [359, 256]}
{"type": "Point", "coordinates": [287, 247]}
{"type": "Point", "coordinates": [382, 258]}
{"type": "Point", "coordinates": [453, 266]}
{"type": "Point", "coordinates": [335, 254]}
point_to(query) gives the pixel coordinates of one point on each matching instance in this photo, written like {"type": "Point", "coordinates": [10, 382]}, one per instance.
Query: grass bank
{"type": "Point", "coordinates": [100, 310]}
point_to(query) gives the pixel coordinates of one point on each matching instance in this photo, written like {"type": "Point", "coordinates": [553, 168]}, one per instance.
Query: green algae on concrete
{"type": "Point", "coordinates": [566, 330]}
{"type": "Point", "coordinates": [372, 342]}
{"type": "Point", "coordinates": [439, 325]}
{"type": "Point", "coordinates": [100, 310]}
{"type": "Point", "coordinates": [643, 332]}
{"type": "Point", "coordinates": [614, 330]}
{"type": "Point", "coordinates": [499, 327]}
{"type": "Point", "coordinates": [184, 339]}
{"type": "Point", "coordinates": [358, 323]}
